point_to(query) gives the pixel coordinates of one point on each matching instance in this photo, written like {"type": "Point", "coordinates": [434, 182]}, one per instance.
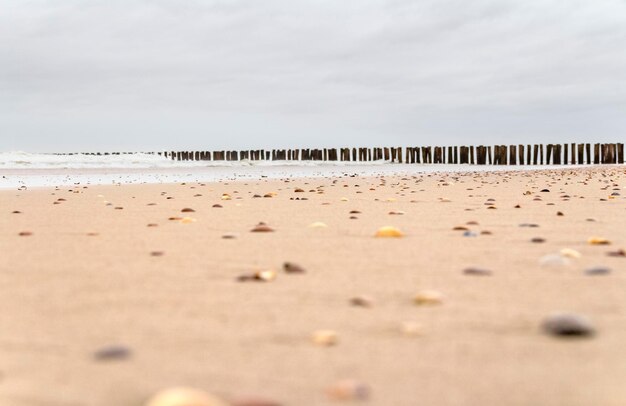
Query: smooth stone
{"type": "Point", "coordinates": [290, 267]}
{"type": "Point", "coordinates": [598, 270]}
{"type": "Point", "coordinates": [553, 261]}
{"type": "Point", "coordinates": [477, 271]}
{"type": "Point", "coordinates": [470, 234]}
{"type": "Point", "coordinates": [184, 397]}
{"type": "Point", "coordinates": [617, 253]}
{"type": "Point", "coordinates": [262, 228]}
{"type": "Point", "coordinates": [112, 353]}
{"type": "Point", "coordinates": [538, 240]}
{"type": "Point", "coordinates": [230, 236]}
{"type": "Point", "coordinates": [25, 234]}
{"type": "Point", "coordinates": [568, 325]}
{"type": "Point", "coordinates": [187, 210]}
{"type": "Point", "coordinates": [362, 301]}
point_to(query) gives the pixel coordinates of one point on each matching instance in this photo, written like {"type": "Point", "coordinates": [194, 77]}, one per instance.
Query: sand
{"type": "Point", "coordinates": [86, 279]}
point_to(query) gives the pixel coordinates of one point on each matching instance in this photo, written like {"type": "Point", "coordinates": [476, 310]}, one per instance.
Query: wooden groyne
{"type": "Point", "coordinates": [536, 154]}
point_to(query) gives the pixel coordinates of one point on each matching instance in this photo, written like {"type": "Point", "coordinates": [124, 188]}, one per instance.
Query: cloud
{"type": "Point", "coordinates": [153, 74]}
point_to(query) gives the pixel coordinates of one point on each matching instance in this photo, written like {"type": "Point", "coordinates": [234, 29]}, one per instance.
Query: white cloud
{"type": "Point", "coordinates": [152, 74]}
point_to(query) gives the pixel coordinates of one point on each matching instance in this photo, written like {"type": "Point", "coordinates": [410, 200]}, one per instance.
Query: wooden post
{"type": "Point", "coordinates": [512, 155]}
{"type": "Point", "coordinates": [520, 149]}
{"type": "Point", "coordinates": [471, 152]}
{"type": "Point", "coordinates": [548, 153]}
{"type": "Point", "coordinates": [620, 153]}
{"type": "Point", "coordinates": [596, 154]}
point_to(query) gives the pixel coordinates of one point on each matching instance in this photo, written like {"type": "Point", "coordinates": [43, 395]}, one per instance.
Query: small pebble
{"type": "Point", "coordinates": [470, 234]}
{"type": "Point", "coordinates": [617, 253]}
{"type": "Point", "coordinates": [187, 210]}
{"type": "Point", "coordinates": [348, 390]}
{"type": "Point", "coordinates": [157, 253]}
{"type": "Point", "coordinates": [362, 301]}
{"type": "Point", "coordinates": [553, 261]}
{"type": "Point", "coordinates": [538, 240]}
{"type": "Point", "coordinates": [597, 270]}
{"type": "Point", "coordinates": [290, 267]}
{"type": "Point", "coordinates": [262, 228]}
{"type": "Point", "coordinates": [112, 353]}
{"type": "Point", "coordinates": [568, 325]}
{"type": "Point", "coordinates": [25, 234]}
{"type": "Point", "coordinates": [477, 271]}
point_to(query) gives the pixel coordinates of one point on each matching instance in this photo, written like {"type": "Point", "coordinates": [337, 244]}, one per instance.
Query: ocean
{"type": "Point", "coordinates": [22, 169]}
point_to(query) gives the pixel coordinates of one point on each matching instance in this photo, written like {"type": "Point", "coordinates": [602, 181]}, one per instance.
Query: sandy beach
{"type": "Point", "coordinates": [112, 293]}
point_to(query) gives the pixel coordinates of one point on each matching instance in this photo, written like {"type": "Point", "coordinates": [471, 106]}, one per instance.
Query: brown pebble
{"type": "Point", "coordinates": [153, 225]}
{"type": "Point", "coordinates": [112, 353]}
{"type": "Point", "coordinates": [17, 212]}
{"type": "Point", "coordinates": [262, 228]}
{"type": "Point", "coordinates": [25, 234]}
{"type": "Point", "coordinates": [477, 271]}
{"type": "Point", "coordinates": [362, 301]}
{"type": "Point", "coordinates": [537, 240]}
{"type": "Point", "coordinates": [157, 253]}
{"type": "Point", "coordinates": [187, 210]}
{"type": "Point", "coordinates": [290, 267]}
{"type": "Point", "coordinates": [559, 213]}
{"type": "Point", "coordinates": [618, 253]}
{"type": "Point", "coordinates": [217, 206]}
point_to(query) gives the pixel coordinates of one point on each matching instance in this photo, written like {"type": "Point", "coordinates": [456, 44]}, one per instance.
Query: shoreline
{"type": "Point", "coordinates": [51, 177]}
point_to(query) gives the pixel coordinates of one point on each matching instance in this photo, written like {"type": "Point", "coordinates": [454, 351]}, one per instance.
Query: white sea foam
{"type": "Point", "coordinates": [22, 169]}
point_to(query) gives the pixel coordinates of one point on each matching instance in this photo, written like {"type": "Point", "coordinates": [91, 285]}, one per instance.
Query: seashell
{"type": "Point", "coordinates": [226, 196]}
{"type": "Point", "coordinates": [411, 328]}
{"type": "Point", "coordinates": [389, 231]}
{"type": "Point", "coordinates": [325, 338]}
{"type": "Point", "coordinates": [318, 224]}
{"type": "Point", "coordinates": [598, 241]}
{"type": "Point", "coordinates": [428, 297]}
{"type": "Point", "coordinates": [187, 220]}
{"type": "Point", "coordinates": [570, 253]}
{"type": "Point", "coordinates": [184, 397]}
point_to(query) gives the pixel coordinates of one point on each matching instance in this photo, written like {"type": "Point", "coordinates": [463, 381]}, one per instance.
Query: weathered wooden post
{"type": "Point", "coordinates": [512, 155]}
{"type": "Point", "coordinates": [620, 153]}
{"type": "Point", "coordinates": [548, 153]}
{"type": "Point", "coordinates": [596, 154]}
{"type": "Point", "coordinates": [520, 149]}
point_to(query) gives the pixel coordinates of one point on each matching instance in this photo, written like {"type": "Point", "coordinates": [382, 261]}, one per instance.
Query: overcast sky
{"type": "Point", "coordinates": [203, 74]}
